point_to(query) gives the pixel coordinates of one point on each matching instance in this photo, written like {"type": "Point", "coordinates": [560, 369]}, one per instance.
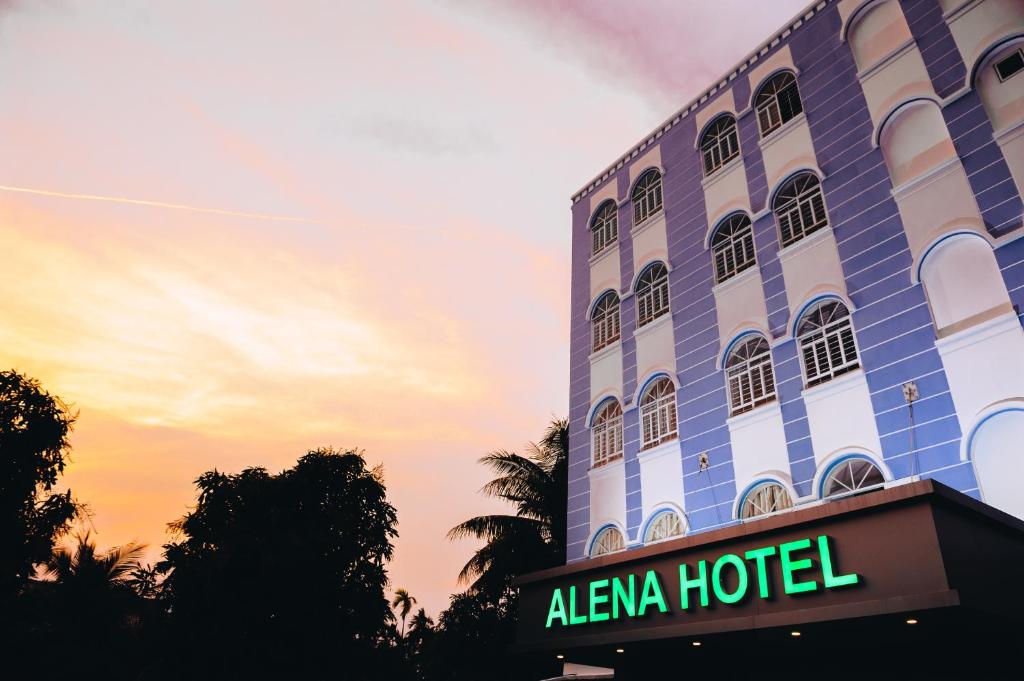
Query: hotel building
{"type": "Point", "coordinates": [805, 287]}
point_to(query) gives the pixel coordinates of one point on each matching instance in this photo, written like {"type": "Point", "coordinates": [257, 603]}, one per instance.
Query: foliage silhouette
{"type": "Point", "coordinates": [404, 602]}
{"type": "Point", "coordinates": [473, 634]}
{"type": "Point", "coordinates": [278, 576]}
{"type": "Point", "coordinates": [533, 538]}
{"type": "Point", "coordinates": [34, 428]}
{"type": "Point", "coordinates": [87, 601]}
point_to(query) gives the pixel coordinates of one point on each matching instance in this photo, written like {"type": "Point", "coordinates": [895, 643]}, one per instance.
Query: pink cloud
{"type": "Point", "coordinates": [664, 51]}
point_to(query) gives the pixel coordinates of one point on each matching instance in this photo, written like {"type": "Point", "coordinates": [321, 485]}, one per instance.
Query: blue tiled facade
{"type": "Point", "coordinates": [893, 318]}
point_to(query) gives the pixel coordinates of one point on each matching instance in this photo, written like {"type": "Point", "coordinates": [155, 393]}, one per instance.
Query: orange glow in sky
{"type": "Point", "coordinates": [233, 232]}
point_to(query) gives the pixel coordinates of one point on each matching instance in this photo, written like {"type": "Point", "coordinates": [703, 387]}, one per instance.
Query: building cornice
{"type": "Point", "coordinates": [723, 82]}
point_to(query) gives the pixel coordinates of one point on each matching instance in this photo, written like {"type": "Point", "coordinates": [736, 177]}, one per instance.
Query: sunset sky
{"type": "Point", "coordinates": [387, 266]}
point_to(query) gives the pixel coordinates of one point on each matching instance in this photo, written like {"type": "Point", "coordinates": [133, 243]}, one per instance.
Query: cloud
{"type": "Point", "coordinates": [665, 51]}
{"type": "Point", "coordinates": [418, 136]}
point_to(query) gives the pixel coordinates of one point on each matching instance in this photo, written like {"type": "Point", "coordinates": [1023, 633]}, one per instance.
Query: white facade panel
{"type": "Point", "coordinates": [606, 372]}
{"type": "Point", "coordinates": [661, 477]}
{"type": "Point", "coordinates": [758, 445]}
{"type": "Point", "coordinates": [984, 365]}
{"type": "Point", "coordinates": [840, 417]}
{"type": "Point", "coordinates": [608, 496]}
{"type": "Point", "coordinates": [655, 348]}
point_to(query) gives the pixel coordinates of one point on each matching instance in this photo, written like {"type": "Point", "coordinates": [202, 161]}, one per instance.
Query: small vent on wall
{"type": "Point", "coordinates": [1010, 65]}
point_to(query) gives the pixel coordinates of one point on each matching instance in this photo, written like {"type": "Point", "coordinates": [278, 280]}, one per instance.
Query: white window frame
{"type": "Point", "coordinates": [769, 110]}
{"type": "Point", "coordinates": [609, 540]}
{"type": "Point", "coordinates": [647, 196]}
{"type": "Point", "coordinates": [652, 294]}
{"type": "Point", "coordinates": [665, 525]}
{"type": "Point", "coordinates": [858, 481]}
{"type": "Point", "coordinates": [732, 247]}
{"type": "Point", "coordinates": [604, 228]}
{"type": "Point", "coordinates": [606, 323]}
{"type": "Point", "coordinates": [750, 377]}
{"type": "Point", "coordinates": [658, 416]}
{"type": "Point", "coordinates": [606, 434]}
{"type": "Point", "coordinates": [719, 144]}
{"type": "Point", "coordinates": [834, 334]}
{"type": "Point", "coordinates": [792, 213]}
{"type": "Point", "coordinates": [995, 65]}
{"type": "Point", "coordinates": [756, 500]}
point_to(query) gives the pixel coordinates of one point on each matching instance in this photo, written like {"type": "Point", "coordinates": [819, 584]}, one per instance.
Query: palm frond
{"type": "Point", "coordinates": [120, 561]}
{"type": "Point", "coordinates": [488, 527]}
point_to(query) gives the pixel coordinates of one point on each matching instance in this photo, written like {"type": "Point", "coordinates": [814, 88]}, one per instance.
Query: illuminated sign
{"type": "Point", "coordinates": [729, 579]}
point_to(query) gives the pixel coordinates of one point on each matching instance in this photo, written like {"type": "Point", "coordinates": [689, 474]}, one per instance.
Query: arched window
{"type": "Point", "coordinates": [605, 321]}
{"type": "Point", "coordinates": [826, 342]}
{"type": "Point", "coordinates": [877, 32]}
{"type": "Point", "coordinates": [996, 453]}
{"type": "Point", "coordinates": [652, 294]}
{"type": "Point", "coordinates": [959, 301]}
{"type": "Point", "coordinates": [665, 525]}
{"type": "Point", "coordinates": [646, 196]}
{"type": "Point", "coordinates": [768, 497]}
{"type": "Point", "coordinates": [608, 541]}
{"type": "Point", "coordinates": [658, 413]}
{"type": "Point", "coordinates": [749, 371]}
{"type": "Point", "coordinates": [851, 476]}
{"type": "Point", "coordinates": [719, 144]}
{"type": "Point", "coordinates": [999, 81]}
{"type": "Point", "coordinates": [777, 102]}
{"type": "Point", "coordinates": [799, 208]}
{"type": "Point", "coordinates": [733, 247]}
{"type": "Point", "coordinates": [605, 227]}
{"type": "Point", "coordinates": [915, 141]}
{"type": "Point", "coordinates": [607, 433]}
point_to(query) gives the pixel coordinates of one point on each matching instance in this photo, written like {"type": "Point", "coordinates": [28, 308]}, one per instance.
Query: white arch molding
{"type": "Point", "coordinates": [957, 301]}
{"type": "Point", "coordinates": [914, 140]}
{"type": "Point", "coordinates": [996, 452]}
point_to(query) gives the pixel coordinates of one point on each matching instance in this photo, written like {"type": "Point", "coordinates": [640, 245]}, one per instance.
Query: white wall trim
{"type": "Point", "coordinates": [721, 172]}
{"type": "Point", "coordinates": [839, 384]}
{"type": "Point", "coordinates": [759, 413]}
{"type": "Point", "coordinates": [606, 253]}
{"type": "Point", "coordinates": [924, 180]}
{"type": "Point", "coordinates": [652, 220]}
{"type": "Point", "coordinates": [661, 451]}
{"type": "Point", "coordinates": [605, 351]}
{"type": "Point", "coordinates": [794, 249]}
{"type": "Point", "coordinates": [651, 326]}
{"type": "Point", "coordinates": [874, 69]}
{"type": "Point", "coordinates": [782, 131]}
{"type": "Point", "coordinates": [607, 470]}
{"type": "Point", "coordinates": [737, 280]}
{"type": "Point", "coordinates": [978, 333]}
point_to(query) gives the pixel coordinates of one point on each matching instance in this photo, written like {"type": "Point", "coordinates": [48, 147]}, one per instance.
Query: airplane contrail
{"type": "Point", "coordinates": [158, 204]}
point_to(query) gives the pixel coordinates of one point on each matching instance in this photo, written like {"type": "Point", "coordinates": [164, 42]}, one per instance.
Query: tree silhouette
{"type": "Point", "coordinates": [404, 602]}
{"type": "Point", "coordinates": [34, 428]}
{"type": "Point", "coordinates": [84, 569]}
{"type": "Point", "coordinates": [533, 538]}
{"type": "Point", "coordinates": [421, 622]}
{"type": "Point", "coordinates": [86, 601]}
{"type": "Point", "coordinates": [279, 576]}
{"type": "Point", "coordinates": [478, 626]}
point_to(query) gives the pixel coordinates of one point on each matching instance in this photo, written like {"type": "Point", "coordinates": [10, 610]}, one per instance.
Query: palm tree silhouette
{"type": "Point", "coordinates": [404, 602]}
{"type": "Point", "coordinates": [533, 538]}
{"type": "Point", "coordinates": [93, 593]}
{"type": "Point", "coordinates": [421, 622]}
{"type": "Point", "coordinates": [82, 568]}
